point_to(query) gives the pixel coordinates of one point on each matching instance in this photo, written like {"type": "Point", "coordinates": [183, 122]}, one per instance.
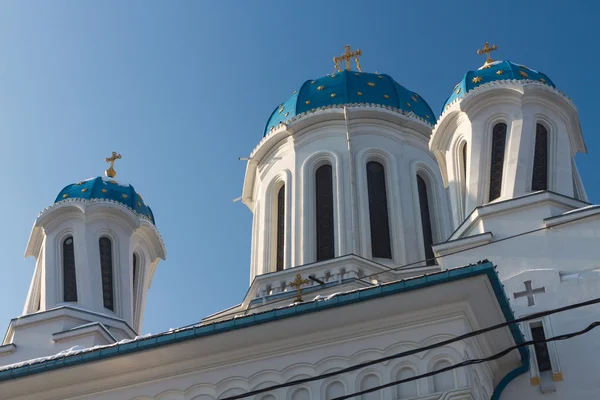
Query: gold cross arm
{"type": "Point", "coordinates": [487, 49]}
{"type": "Point", "coordinates": [346, 57]}
{"type": "Point", "coordinates": [110, 172]}
{"type": "Point", "coordinates": [297, 284]}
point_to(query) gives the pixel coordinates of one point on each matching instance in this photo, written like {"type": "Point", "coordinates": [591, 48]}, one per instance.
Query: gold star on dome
{"type": "Point", "coordinates": [359, 93]}
{"type": "Point", "coordinates": [371, 84]}
{"type": "Point", "coordinates": [320, 87]}
{"type": "Point", "coordinates": [333, 95]}
{"type": "Point", "coordinates": [499, 72]}
{"type": "Point", "coordinates": [542, 80]}
{"type": "Point", "coordinates": [477, 79]}
{"type": "Point", "coordinates": [386, 96]}
{"type": "Point", "coordinates": [523, 74]}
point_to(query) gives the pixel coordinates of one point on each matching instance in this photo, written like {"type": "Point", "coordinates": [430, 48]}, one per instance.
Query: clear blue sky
{"type": "Point", "coordinates": [182, 89]}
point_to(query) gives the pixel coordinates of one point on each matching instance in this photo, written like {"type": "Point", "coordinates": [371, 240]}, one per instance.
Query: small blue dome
{"type": "Point", "coordinates": [107, 189]}
{"type": "Point", "coordinates": [495, 71]}
{"type": "Point", "coordinates": [348, 87]}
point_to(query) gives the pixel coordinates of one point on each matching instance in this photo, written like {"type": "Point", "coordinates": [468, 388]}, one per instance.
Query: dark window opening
{"type": "Point", "coordinates": [106, 268]}
{"type": "Point", "coordinates": [540, 159]}
{"type": "Point", "coordinates": [280, 228]}
{"type": "Point", "coordinates": [324, 211]}
{"type": "Point", "coordinates": [69, 275]}
{"type": "Point", "coordinates": [541, 349]}
{"type": "Point", "coordinates": [464, 162]}
{"type": "Point", "coordinates": [378, 211]}
{"type": "Point", "coordinates": [497, 162]}
{"type": "Point", "coordinates": [426, 221]}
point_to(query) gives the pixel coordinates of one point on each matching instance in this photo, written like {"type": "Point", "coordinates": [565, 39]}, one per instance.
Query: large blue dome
{"type": "Point", "coordinates": [107, 189]}
{"type": "Point", "coordinates": [349, 87]}
{"type": "Point", "coordinates": [495, 71]}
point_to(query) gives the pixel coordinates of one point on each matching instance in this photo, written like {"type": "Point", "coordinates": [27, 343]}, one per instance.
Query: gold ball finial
{"type": "Point", "coordinates": [110, 172]}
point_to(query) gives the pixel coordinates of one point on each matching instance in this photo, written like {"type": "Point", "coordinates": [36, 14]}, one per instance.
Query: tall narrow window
{"type": "Point", "coordinates": [135, 280]}
{"type": "Point", "coordinates": [497, 164]}
{"type": "Point", "coordinates": [280, 228]}
{"type": "Point", "coordinates": [378, 211]}
{"type": "Point", "coordinates": [106, 268]}
{"type": "Point", "coordinates": [69, 278]}
{"type": "Point", "coordinates": [324, 211]}
{"type": "Point", "coordinates": [425, 221]}
{"type": "Point", "coordinates": [464, 162]}
{"type": "Point", "coordinates": [540, 159]}
{"type": "Point", "coordinates": [542, 354]}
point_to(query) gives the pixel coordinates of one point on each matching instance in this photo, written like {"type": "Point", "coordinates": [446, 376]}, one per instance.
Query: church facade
{"type": "Point", "coordinates": [395, 255]}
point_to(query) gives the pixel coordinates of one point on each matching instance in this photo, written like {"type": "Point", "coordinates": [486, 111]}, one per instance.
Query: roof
{"type": "Point", "coordinates": [494, 71]}
{"type": "Point", "coordinates": [80, 356]}
{"type": "Point", "coordinates": [350, 87]}
{"type": "Point", "coordinates": [107, 189]}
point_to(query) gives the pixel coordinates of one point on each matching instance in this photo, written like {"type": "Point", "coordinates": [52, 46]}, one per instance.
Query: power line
{"type": "Point", "coordinates": [472, 362]}
{"type": "Point", "coordinates": [411, 265]}
{"type": "Point", "coordinates": [415, 351]}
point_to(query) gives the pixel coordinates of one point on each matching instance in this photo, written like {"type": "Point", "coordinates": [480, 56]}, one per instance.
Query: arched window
{"type": "Point", "coordinates": [407, 389]}
{"type": "Point", "coordinates": [425, 220]}
{"type": "Point", "coordinates": [378, 211]}
{"type": "Point", "coordinates": [134, 280]}
{"type": "Point", "coordinates": [106, 268]}
{"type": "Point", "coordinates": [540, 159]}
{"type": "Point", "coordinates": [324, 212]}
{"type": "Point", "coordinates": [444, 380]}
{"type": "Point", "coordinates": [280, 228]}
{"type": "Point", "coordinates": [69, 277]}
{"type": "Point", "coordinates": [334, 389]}
{"type": "Point", "coordinates": [369, 382]}
{"type": "Point", "coordinates": [497, 163]}
{"type": "Point", "coordinates": [464, 161]}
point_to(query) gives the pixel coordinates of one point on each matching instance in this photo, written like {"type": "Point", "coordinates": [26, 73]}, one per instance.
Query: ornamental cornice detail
{"type": "Point", "coordinates": [85, 202]}
{"type": "Point", "coordinates": [502, 83]}
{"type": "Point", "coordinates": [409, 115]}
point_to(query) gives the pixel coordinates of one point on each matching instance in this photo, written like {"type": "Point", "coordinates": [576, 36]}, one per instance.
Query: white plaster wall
{"type": "Point", "coordinates": [542, 258]}
{"type": "Point", "coordinates": [520, 110]}
{"type": "Point", "coordinates": [403, 151]}
{"type": "Point", "coordinates": [217, 383]}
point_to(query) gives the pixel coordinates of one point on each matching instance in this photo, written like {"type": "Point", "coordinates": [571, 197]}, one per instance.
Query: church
{"type": "Point", "coordinates": [396, 253]}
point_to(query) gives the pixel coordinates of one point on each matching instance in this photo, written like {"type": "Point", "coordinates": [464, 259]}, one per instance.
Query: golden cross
{"type": "Point", "coordinates": [110, 172]}
{"type": "Point", "coordinates": [347, 56]}
{"type": "Point", "coordinates": [487, 49]}
{"type": "Point", "coordinates": [297, 283]}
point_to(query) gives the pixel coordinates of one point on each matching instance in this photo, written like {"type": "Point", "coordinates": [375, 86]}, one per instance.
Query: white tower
{"type": "Point", "coordinates": [96, 249]}
{"type": "Point", "coordinates": [504, 132]}
{"type": "Point", "coordinates": [343, 186]}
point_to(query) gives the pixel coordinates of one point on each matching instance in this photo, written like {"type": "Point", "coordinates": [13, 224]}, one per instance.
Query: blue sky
{"type": "Point", "coordinates": [182, 89]}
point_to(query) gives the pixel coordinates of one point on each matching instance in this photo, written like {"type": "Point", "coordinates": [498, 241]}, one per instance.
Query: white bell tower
{"type": "Point", "coordinates": [506, 131]}
{"type": "Point", "coordinates": [96, 250]}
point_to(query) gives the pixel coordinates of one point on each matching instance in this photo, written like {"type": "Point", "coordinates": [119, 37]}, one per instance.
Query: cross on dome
{"type": "Point", "coordinates": [110, 172]}
{"type": "Point", "coordinates": [487, 49]}
{"type": "Point", "coordinates": [346, 57]}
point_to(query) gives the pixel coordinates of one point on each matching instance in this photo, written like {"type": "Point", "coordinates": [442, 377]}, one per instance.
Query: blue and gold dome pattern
{"type": "Point", "coordinates": [107, 189]}
{"type": "Point", "coordinates": [350, 87]}
{"type": "Point", "coordinates": [495, 71]}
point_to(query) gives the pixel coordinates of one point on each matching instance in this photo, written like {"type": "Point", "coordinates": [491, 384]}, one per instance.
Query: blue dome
{"type": "Point", "coordinates": [495, 71]}
{"type": "Point", "coordinates": [107, 189]}
{"type": "Point", "coordinates": [349, 87]}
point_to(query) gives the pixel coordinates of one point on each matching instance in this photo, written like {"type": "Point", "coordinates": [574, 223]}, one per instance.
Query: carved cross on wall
{"type": "Point", "coordinates": [529, 292]}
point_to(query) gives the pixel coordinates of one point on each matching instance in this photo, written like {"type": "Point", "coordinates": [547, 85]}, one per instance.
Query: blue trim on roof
{"type": "Point", "coordinates": [502, 70]}
{"type": "Point", "coordinates": [349, 87]}
{"type": "Point", "coordinates": [406, 285]}
{"type": "Point", "coordinates": [107, 189]}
